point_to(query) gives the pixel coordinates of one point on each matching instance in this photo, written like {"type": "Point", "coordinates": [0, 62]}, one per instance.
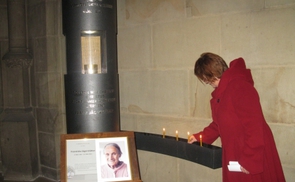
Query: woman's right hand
{"type": "Point", "coordinates": [191, 139]}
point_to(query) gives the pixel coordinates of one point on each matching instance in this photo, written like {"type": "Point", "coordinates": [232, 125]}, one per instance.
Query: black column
{"type": "Point", "coordinates": [91, 82]}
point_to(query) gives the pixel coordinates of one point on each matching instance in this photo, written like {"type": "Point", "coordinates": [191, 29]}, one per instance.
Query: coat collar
{"type": "Point", "coordinates": [237, 70]}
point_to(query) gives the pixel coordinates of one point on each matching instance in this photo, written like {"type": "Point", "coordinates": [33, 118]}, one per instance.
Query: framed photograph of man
{"type": "Point", "coordinates": [99, 157]}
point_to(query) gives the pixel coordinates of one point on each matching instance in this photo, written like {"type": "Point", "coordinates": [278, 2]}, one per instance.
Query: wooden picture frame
{"type": "Point", "coordinates": [83, 157]}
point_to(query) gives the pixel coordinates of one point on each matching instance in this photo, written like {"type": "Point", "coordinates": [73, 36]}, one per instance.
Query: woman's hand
{"type": "Point", "coordinates": [191, 139]}
{"type": "Point", "coordinates": [244, 170]}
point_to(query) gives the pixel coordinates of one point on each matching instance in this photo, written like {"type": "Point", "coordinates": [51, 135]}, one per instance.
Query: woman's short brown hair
{"type": "Point", "coordinates": [209, 67]}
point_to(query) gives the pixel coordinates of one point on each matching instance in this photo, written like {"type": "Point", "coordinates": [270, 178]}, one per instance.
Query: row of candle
{"type": "Point", "coordinates": [188, 136]}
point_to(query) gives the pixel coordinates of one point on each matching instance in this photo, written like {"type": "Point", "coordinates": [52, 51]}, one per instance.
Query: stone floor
{"type": "Point", "coordinates": [40, 179]}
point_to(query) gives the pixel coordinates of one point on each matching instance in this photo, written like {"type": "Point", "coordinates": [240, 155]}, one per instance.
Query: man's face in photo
{"type": "Point", "coordinates": [112, 156]}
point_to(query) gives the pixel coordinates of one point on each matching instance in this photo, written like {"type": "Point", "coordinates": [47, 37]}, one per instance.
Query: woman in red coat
{"type": "Point", "coordinates": [238, 120]}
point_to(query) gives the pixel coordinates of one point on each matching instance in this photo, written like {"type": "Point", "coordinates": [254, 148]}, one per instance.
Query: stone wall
{"type": "Point", "coordinates": [48, 47]}
{"type": "Point", "coordinates": [3, 49]}
{"type": "Point", "coordinates": [45, 43]}
{"type": "Point", "coordinates": [158, 43]}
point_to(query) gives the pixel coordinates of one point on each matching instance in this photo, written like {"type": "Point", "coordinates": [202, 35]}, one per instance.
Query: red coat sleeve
{"type": "Point", "coordinates": [209, 134]}
{"type": "Point", "coordinates": [247, 107]}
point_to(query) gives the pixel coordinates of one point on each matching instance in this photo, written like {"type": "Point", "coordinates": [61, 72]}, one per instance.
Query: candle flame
{"type": "Point", "coordinates": [188, 136]}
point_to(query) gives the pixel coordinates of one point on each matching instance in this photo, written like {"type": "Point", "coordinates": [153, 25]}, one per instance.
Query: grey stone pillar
{"type": "Point", "coordinates": [18, 128]}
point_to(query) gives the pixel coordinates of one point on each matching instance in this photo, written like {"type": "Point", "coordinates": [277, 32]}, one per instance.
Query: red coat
{"type": "Point", "coordinates": [239, 122]}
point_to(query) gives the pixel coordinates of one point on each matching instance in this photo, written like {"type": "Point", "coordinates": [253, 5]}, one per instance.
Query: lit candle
{"type": "Point", "coordinates": [201, 141]}
{"type": "Point", "coordinates": [188, 136]}
{"type": "Point", "coordinates": [176, 135]}
{"type": "Point", "coordinates": [164, 132]}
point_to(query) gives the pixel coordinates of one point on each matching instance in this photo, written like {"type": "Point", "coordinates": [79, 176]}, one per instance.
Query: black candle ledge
{"type": "Point", "coordinates": [207, 155]}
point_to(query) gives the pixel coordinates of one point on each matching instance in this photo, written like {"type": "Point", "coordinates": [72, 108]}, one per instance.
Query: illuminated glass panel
{"type": "Point", "coordinates": [92, 52]}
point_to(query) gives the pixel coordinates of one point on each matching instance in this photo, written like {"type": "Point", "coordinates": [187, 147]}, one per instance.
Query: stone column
{"type": "Point", "coordinates": [18, 126]}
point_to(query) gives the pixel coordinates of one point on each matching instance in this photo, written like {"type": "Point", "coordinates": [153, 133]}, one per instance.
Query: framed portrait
{"type": "Point", "coordinates": [99, 157]}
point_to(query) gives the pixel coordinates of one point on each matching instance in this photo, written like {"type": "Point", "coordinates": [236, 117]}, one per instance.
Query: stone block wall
{"type": "Point", "coordinates": [158, 44]}
{"type": "Point", "coordinates": [47, 44]}
{"type": "Point", "coordinates": [3, 49]}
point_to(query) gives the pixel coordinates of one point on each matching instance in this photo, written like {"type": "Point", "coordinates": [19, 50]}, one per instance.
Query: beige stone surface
{"type": "Point", "coordinates": [165, 92]}
{"type": "Point", "coordinates": [285, 148]}
{"type": "Point", "coordinates": [190, 171]}
{"type": "Point", "coordinates": [284, 135]}
{"type": "Point", "coordinates": [203, 8]}
{"type": "Point", "coordinates": [47, 88]}
{"type": "Point", "coordinates": [276, 93]}
{"type": "Point", "coordinates": [262, 38]}
{"type": "Point", "coordinates": [280, 3]}
{"type": "Point", "coordinates": [151, 169]}
{"type": "Point", "coordinates": [289, 173]}
{"type": "Point", "coordinates": [177, 44]}
{"type": "Point", "coordinates": [134, 48]}
{"type": "Point", "coordinates": [153, 10]}
{"type": "Point", "coordinates": [200, 95]}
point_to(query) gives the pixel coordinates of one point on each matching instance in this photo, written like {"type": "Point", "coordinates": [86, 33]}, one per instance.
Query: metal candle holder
{"type": "Point", "coordinates": [206, 155]}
